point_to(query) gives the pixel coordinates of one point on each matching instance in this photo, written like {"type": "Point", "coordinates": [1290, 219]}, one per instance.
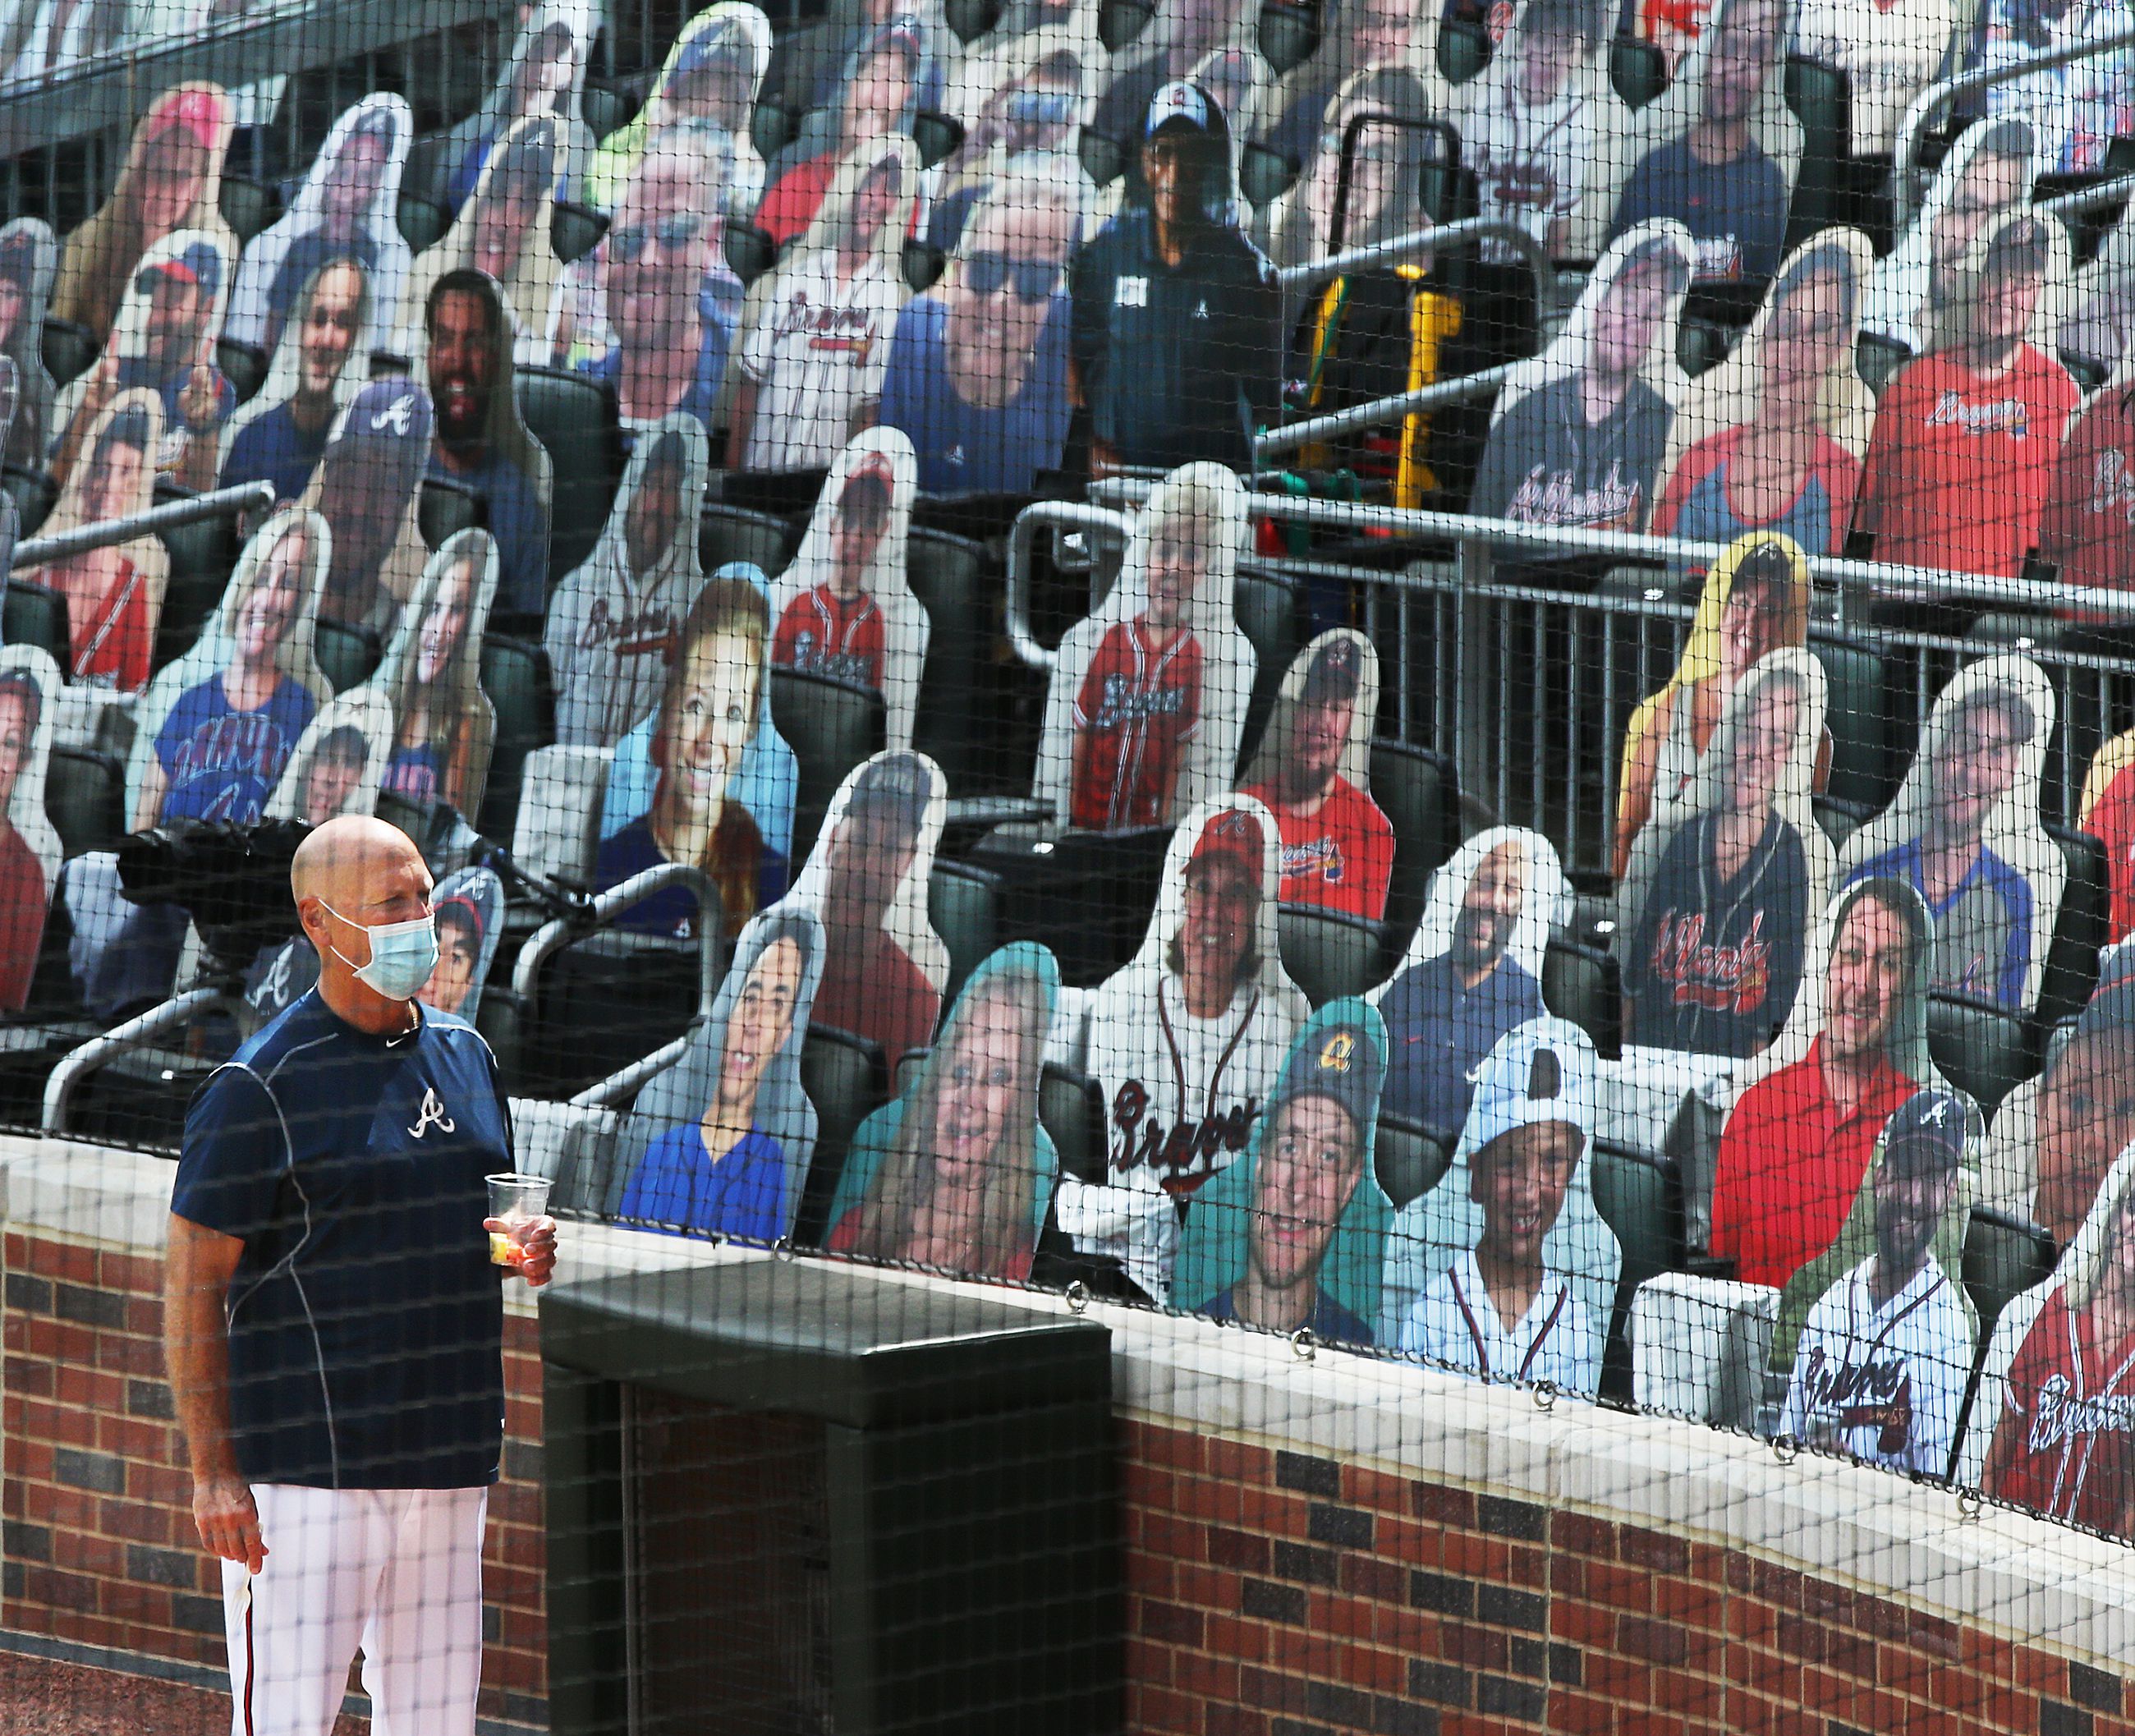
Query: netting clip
{"type": "Point", "coordinates": [1078, 1297]}
{"type": "Point", "coordinates": [1545, 1395]}
{"type": "Point", "coordinates": [1785, 1448]}
{"type": "Point", "coordinates": [1970, 1505]}
{"type": "Point", "coordinates": [1304, 1344]}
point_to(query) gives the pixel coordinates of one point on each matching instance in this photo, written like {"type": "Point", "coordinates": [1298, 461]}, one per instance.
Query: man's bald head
{"type": "Point", "coordinates": [350, 876]}
{"type": "Point", "coordinates": [342, 858]}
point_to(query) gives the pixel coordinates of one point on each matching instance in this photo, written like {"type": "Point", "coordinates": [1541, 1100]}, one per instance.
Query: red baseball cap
{"type": "Point", "coordinates": [1234, 834]}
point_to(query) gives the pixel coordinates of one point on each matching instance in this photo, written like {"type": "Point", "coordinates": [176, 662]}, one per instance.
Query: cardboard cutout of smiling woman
{"type": "Point", "coordinates": [115, 595]}
{"type": "Point", "coordinates": [1754, 601]}
{"type": "Point", "coordinates": [1506, 1268]}
{"type": "Point", "coordinates": [1717, 906]}
{"type": "Point", "coordinates": [1579, 431]}
{"type": "Point", "coordinates": [162, 339]}
{"type": "Point", "coordinates": [1312, 772]}
{"type": "Point", "coordinates": [1774, 437]}
{"type": "Point", "coordinates": [29, 846]}
{"type": "Point", "coordinates": [1878, 1330]}
{"type": "Point", "coordinates": [957, 1175]}
{"type": "Point", "coordinates": [1472, 974]}
{"type": "Point", "coordinates": [443, 723]}
{"type": "Point", "coordinates": [1797, 1143]}
{"type": "Point", "coordinates": [173, 180]}
{"type": "Point", "coordinates": [867, 880]}
{"type": "Point", "coordinates": [343, 211]}
{"type": "Point", "coordinates": [727, 1132]}
{"type": "Point", "coordinates": [280, 433]}
{"type": "Point", "coordinates": [1293, 1236]}
{"type": "Point", "coordinates": [368, 488]}
{"type": "Point", "coordinates": [2052, 1425]}
{"type": "Point", "coordinates": [215, 731]}
{"type": "Point", "coordinates": [543, 80]}
{"type": "Point", "coordinates": [27, 253]}
{"type": "Point", "coordinates": [1964, 830]}
{"type": "Point", "coordinates": [1186, 1039]}
{"type": "Point", "coordinates": [844, 608]}
{"type": "Point", "coordinates": [1148, 697]}
{"type": "Point", "coordinates": [707, 86]}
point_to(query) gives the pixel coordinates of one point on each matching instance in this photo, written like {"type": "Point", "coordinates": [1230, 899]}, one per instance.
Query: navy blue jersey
{"type": "Point", "coordinates": [1737, 210]}
{"type": "Point", "coordinates": [366, 1323]}
{"type": "Point", "coordinates": [518, 521]}
{"type": "Point", "coordinates": [271, 449]}
{"type": "Point", "coordinates": [221, 763]}
{"type": "Point", "coordinates": [1439, 1032]}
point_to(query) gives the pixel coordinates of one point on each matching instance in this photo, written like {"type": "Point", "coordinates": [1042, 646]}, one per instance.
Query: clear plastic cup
{"type": "Point", "coordinates": [518, 1201]}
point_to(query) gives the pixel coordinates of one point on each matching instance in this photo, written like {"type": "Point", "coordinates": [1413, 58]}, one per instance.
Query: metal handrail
{"type": "Point", "coordinates": [1947, 90]}
{"type": "Point", "coordinates": [1057, 515]}
{"type": "Point", "coordinates": [1279, 440]}
{"type": "Point", "coordinates": [631, 1080]}
{"type": "Point", "coordinates": [1423, 241]}
{"type": "Point", "coordinates": [76, 1064]}
{"type": "Point", "coordinates": [602, 908]}
{"type": "Point", "coordinates": [2089, 198]}
{"type": "Point", "coordinates": [219, 504]}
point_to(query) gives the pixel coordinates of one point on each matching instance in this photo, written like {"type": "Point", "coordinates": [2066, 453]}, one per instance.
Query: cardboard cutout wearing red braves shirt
{"type": "Point", "coordinates": [29, 846]}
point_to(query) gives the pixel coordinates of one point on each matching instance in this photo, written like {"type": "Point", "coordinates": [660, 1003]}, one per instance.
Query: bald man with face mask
{"type": "Point", "coordinates": [333, 1322]}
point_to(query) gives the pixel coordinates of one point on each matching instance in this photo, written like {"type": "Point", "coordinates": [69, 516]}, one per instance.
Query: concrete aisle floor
{"type": "Point", "coordinates": [42, 1697]}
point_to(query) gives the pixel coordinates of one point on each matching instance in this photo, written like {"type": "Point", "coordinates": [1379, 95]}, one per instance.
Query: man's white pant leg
{"type": "Point", "coordinates": [293, 1627]}
{"type": "Point", "coordinates": [421, 1650]}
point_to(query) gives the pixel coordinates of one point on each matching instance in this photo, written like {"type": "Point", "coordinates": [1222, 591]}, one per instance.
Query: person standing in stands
{"type": "Point", "coordinates": [1884, 1358]}
{"type": "Point", "coordinates": [1966, 435]}
{"type": "Point", "coordinates": [836, 629]}
{"type": "Point", "coordinates": [333, 1324]}
{"type": "Point", "coordinates": [284, 446]}
{"type": "Point", "coordinates": [1716, 177]}
{"type": "Point", "coordinates": [365, 488]}
{"type": "Point", "coordinates": [481, 443]}
{"type": "Point", "coordinates": [1798, 1141]}
{"type": "Point", "coordinates": [1177, 347]}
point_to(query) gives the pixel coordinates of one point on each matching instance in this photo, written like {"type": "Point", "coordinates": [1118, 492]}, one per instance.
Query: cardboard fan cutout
{"type": "Point", "coordinates": [1186, 1039]}
{"type": "Point", "coordinates": [345, 211]}
{"type": "Point", "coordinates": [957, 1175]}
{"type": "Point", "coordinates": [1506, 1268]}
{"type": "Point", "coordinates": [867, 880]}
{"type": "Point", "coordinates": [1879, 1331]}
{"type": "Point", "coordinates": [1579, 432]}
{"type": "Point", "coordinates": [2049, 1425]}
{"type": "Point", "coordinates": [1380, 195]}
{"type": "Point", "coordinates": [173, 180]}
{"type": "Point", "coordinates": [1889, 54]}
{"type": "Point", "coordinates": [1312, 772]}
{"type": "Point", "coordinates": [690, 796]}
{"type": "Point", "coordinates": [1774, 437]}
{"type": "Point", "coordinates": [469, 905]}
{"type": "Point", "coordinates": [1027, 104]}
{"type": "Point", "coordinates": [465, 357]}
{"type": "Point", "coordinates": [163, 340]}
{"type": "Point", "coordinates": [2109, 815]}
{"type": "Point", "coordinates": [367, 486]}
{"type": "Point", "coordinates": [844, 608]}
{"type": "Point", "coordinates": [27, 257]}
{"type": "Point", "coordinates": [544, 80]}
{"type": "Point", "coordinates": [216, 730]}
{"type": "Point", "coordinates": [443, 723]}
{"type": "Point", "coordinates": [321, 364]}
{"type": "Point", "coordinates": [1544, 131]}
{"type": "Point", "coordinates": [610, 627]}
{"type": "Point", "coordinates": [1472, 973]}
{"type": "Point", "coordinates": [2088, 531]}
{"type": "Point", "coordinates": [1717, 908]}
{"type": "Point", "coordinates": [1148, 697]}
{"type": "Point", "coordinates": [706, 87]}
{"type": "Point", "coordinates": [1964, 830]}
{"type": "Point", "coordinates": [720, 1143]}
{"type": "Point", "coordinates": [1797, 1143]}
{"type": "Point", "coordinates": [2079, 107]}
{"type": "Point", "coordinates": [115, 595]}
{"type": "Point", "coordinates": [1293, 1236]}
{"type": "Point", "coordinates": [29, 846]}
{"type": "Point", "coordinates": [339, 761]}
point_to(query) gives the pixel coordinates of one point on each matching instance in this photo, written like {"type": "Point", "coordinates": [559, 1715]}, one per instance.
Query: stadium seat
{"type": "Point", "coordinates": [772, 127]}
{"type": "Point", "coordinates": [69, 349]}
{"type": "Point", "coordinates": [1585, 985]}
{"type": "Point", "coordinates": [575, 230]}
{"type": "Point", "coordinates": [971, 19]}
{"type": "Point", "coordinates": [1840, 820]}
{"type": "Point", "coordinates": [556, 834]}
{"type": "Point", "coordinates": [603, 1002]}
{"type": "Point", "coordinates": [501, 1017]}
{"type": "Point", "coordinates": [1104, 159]}
{"type": "Point", "coordinates": [1120, 22]}
{"type": "Point", "coordinates": [750, 251]}
{"type": "Point", "coordinates": [2081, 928]}
{"type": "Point", "coordinates": [1327, 954]}
{"type": "Point", "coordinates": [1879, 358]}
{"type": "Point", "coordinates": [1853, 676]}
{"type": "Point", "coordinates": [936, 134]}
{"type": "Point", "coordinates": [35, 615]}
{"type": "Point", "coordinates": [576, 421]}
{"type": "Point", "coordinates": [1269, 610]}
{"type": "Point", "coordinates": [605, 106]}
{"type": "Point", "coordinates": [35, 494]}
{"type": "Point", "coordinates": [947, 577]}
{"type": "Point", "coordinates": [243, 365]}
{"type": "Point", "coordinates": [1639, 1197]}
{"type": "Point", "coordinates": [1817, 95]}
{"type": "Point", "coordinates": [423, 222]}
{"type": "Point", "coordinates": [846, 1079]}
{"type": "Point", "coordinates": [2004, 1256]}
{"type": "Point", "coordinates": [1637, 69]}
{"type": "Point", "coordinates": [1071, 1106]}
{"type": "Point", "coordinates": [1983, 1050]}
{"type": "Point", "coordinates": [1264, 175]}
{"type": "Point", "coordinates": [85, 799]}
{"type": "Point", "coordinates": [347, 653]}
{"type": "Point", "coordinates": [963, 905]}
{"type": "Point", "coordinates": [923, 264]}
{"type": "Point", "coordinates": [248, 206]}
{"type": "Point", "coordinates": [1463, 50]}
{"type": "Point", "coordinates": [428, 173]}
{"type": "Point", "coordinates": [444, 508]}
{"type": "Point", "coordinates": [514, 675]}
{"type": "Point", "coordinates": [1419, 795]}
{"type": "Point", "coordinates": [1288, 34]}
{"type": "Point", "coordinates": [1409, 1160]}
{"type": "Point", "coordinates": [728, 533]}
{"type": "Point", "coordinates": [203, 554]}
{"type": "Point", "coordinates": [831, 726]}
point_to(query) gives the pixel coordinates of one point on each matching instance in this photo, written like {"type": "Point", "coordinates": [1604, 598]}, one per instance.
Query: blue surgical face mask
{"type": "Point", "coordinates": [403, 954]}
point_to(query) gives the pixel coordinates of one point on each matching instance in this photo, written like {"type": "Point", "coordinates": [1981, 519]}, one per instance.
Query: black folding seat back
{"type": "Point", "coordinates": [2004, 1256]}
{"type": "Point", "coordinates": [963, 904]}
{"type": "Point", "coordinates": [1409, 1161]}
{"type": "Point", "coordinates": [85, 799]}
{"type": "Point", "coordinates": [69, 349]}
{"type": "Point", "coordinates": [1983, 1050]}
{"type": "Point", "coordinates": [444, 508]}
{"type": "Point", "coordinates": [847, 1081]}
{"type": "Point", "coordinates": [34, 493]}
{"type": "Point", "coordinates": [576, 421]}
{"type": "Point", "coordinates": [831, 726]}
{"type": "Point", "coordinates": [35, 615]}
{"type": "Point", "coordinates": [604, 1002]}
{"type": "Point", "coordinates": [1640, 1197]}
{"type": "Point", "coordinates": [1419, 793]}
{"type": "Point", "coordinates": [726, 534]}
{"type": "Point", "coordinates": [1854, 705]}
{"type": "Point", "coordinates": [248, 206]}
{"type": "Point", "coordinates": [947, 576]}
{"type": "Point", "coordinates": [1071, 1108]}
{"type": "Point", "coordinates": [2081, 929]}
{"type": "Point", "coordinates": [347, 653]}
{"type": "Point", "coordinates": [1586, 986]}
{"type": "Point", "coordinates": [514, 675]}
{"type": "Point", "coordinates": [1270, 614]}
{"type": "Point", "coordinates": [1328, 954]}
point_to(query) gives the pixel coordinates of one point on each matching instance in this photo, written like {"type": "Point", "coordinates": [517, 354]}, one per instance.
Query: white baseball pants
{"type": "Point", "coordinates": [397, 1571]}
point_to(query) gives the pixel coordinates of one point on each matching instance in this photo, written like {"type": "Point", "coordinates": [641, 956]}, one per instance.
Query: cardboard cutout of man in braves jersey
{"type": "Point", "coordinates": [368, 488]}
{"type": "Point", "coordinates": [1882, 1360]}
{"type": "Point", "coordinates": [611, 624]}
{"type": "Point", "coordinates": [1293, 1236]}
{"type": "Point", "coordinates": [215, 729]}
{"type": "Point", "coordinates": [844, 608]}
{"type": "Point", "coordinates": [1964, 830]}
{"type": "Point", "coordinates": [1506, 1268]}
{"type": "Point", "coordinates": [2052, 1427]}
{"type": "Point", "coordinates": [1187, 1040]}
{"type": "Point", "coordinates": [1148, 698]}
{"type": "Point", "coordinates": [1723, 885]}
{"type": "Point", "coordinates": [1311, 772]}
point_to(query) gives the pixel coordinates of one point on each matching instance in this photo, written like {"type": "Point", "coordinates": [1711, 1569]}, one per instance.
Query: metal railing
{"type": "Point", "coordinates": [1276, 441]}
{"type": "Point", "coordinates": [76, 1064]}
{"type": "Point", "coordinates": [220, 503]}
{"type": "Point", "coordinates": [1425, 240]}
{"type": "Point", "coordinates": [603, 908]}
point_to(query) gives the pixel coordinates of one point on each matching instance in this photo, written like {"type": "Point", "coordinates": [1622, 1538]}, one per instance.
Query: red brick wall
{"type": "Point", "coordinates": [1277, 1594]}
{"type": "Point", "coordinates": [99, 1544]}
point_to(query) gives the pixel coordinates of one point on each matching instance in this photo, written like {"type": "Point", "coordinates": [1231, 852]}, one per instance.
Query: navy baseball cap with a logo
{"type": "Point", "coordinates": [1925, 1136]}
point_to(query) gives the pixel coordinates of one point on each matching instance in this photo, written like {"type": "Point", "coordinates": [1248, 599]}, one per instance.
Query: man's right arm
{"type": "Point", "coordinates": [198, 1267]}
